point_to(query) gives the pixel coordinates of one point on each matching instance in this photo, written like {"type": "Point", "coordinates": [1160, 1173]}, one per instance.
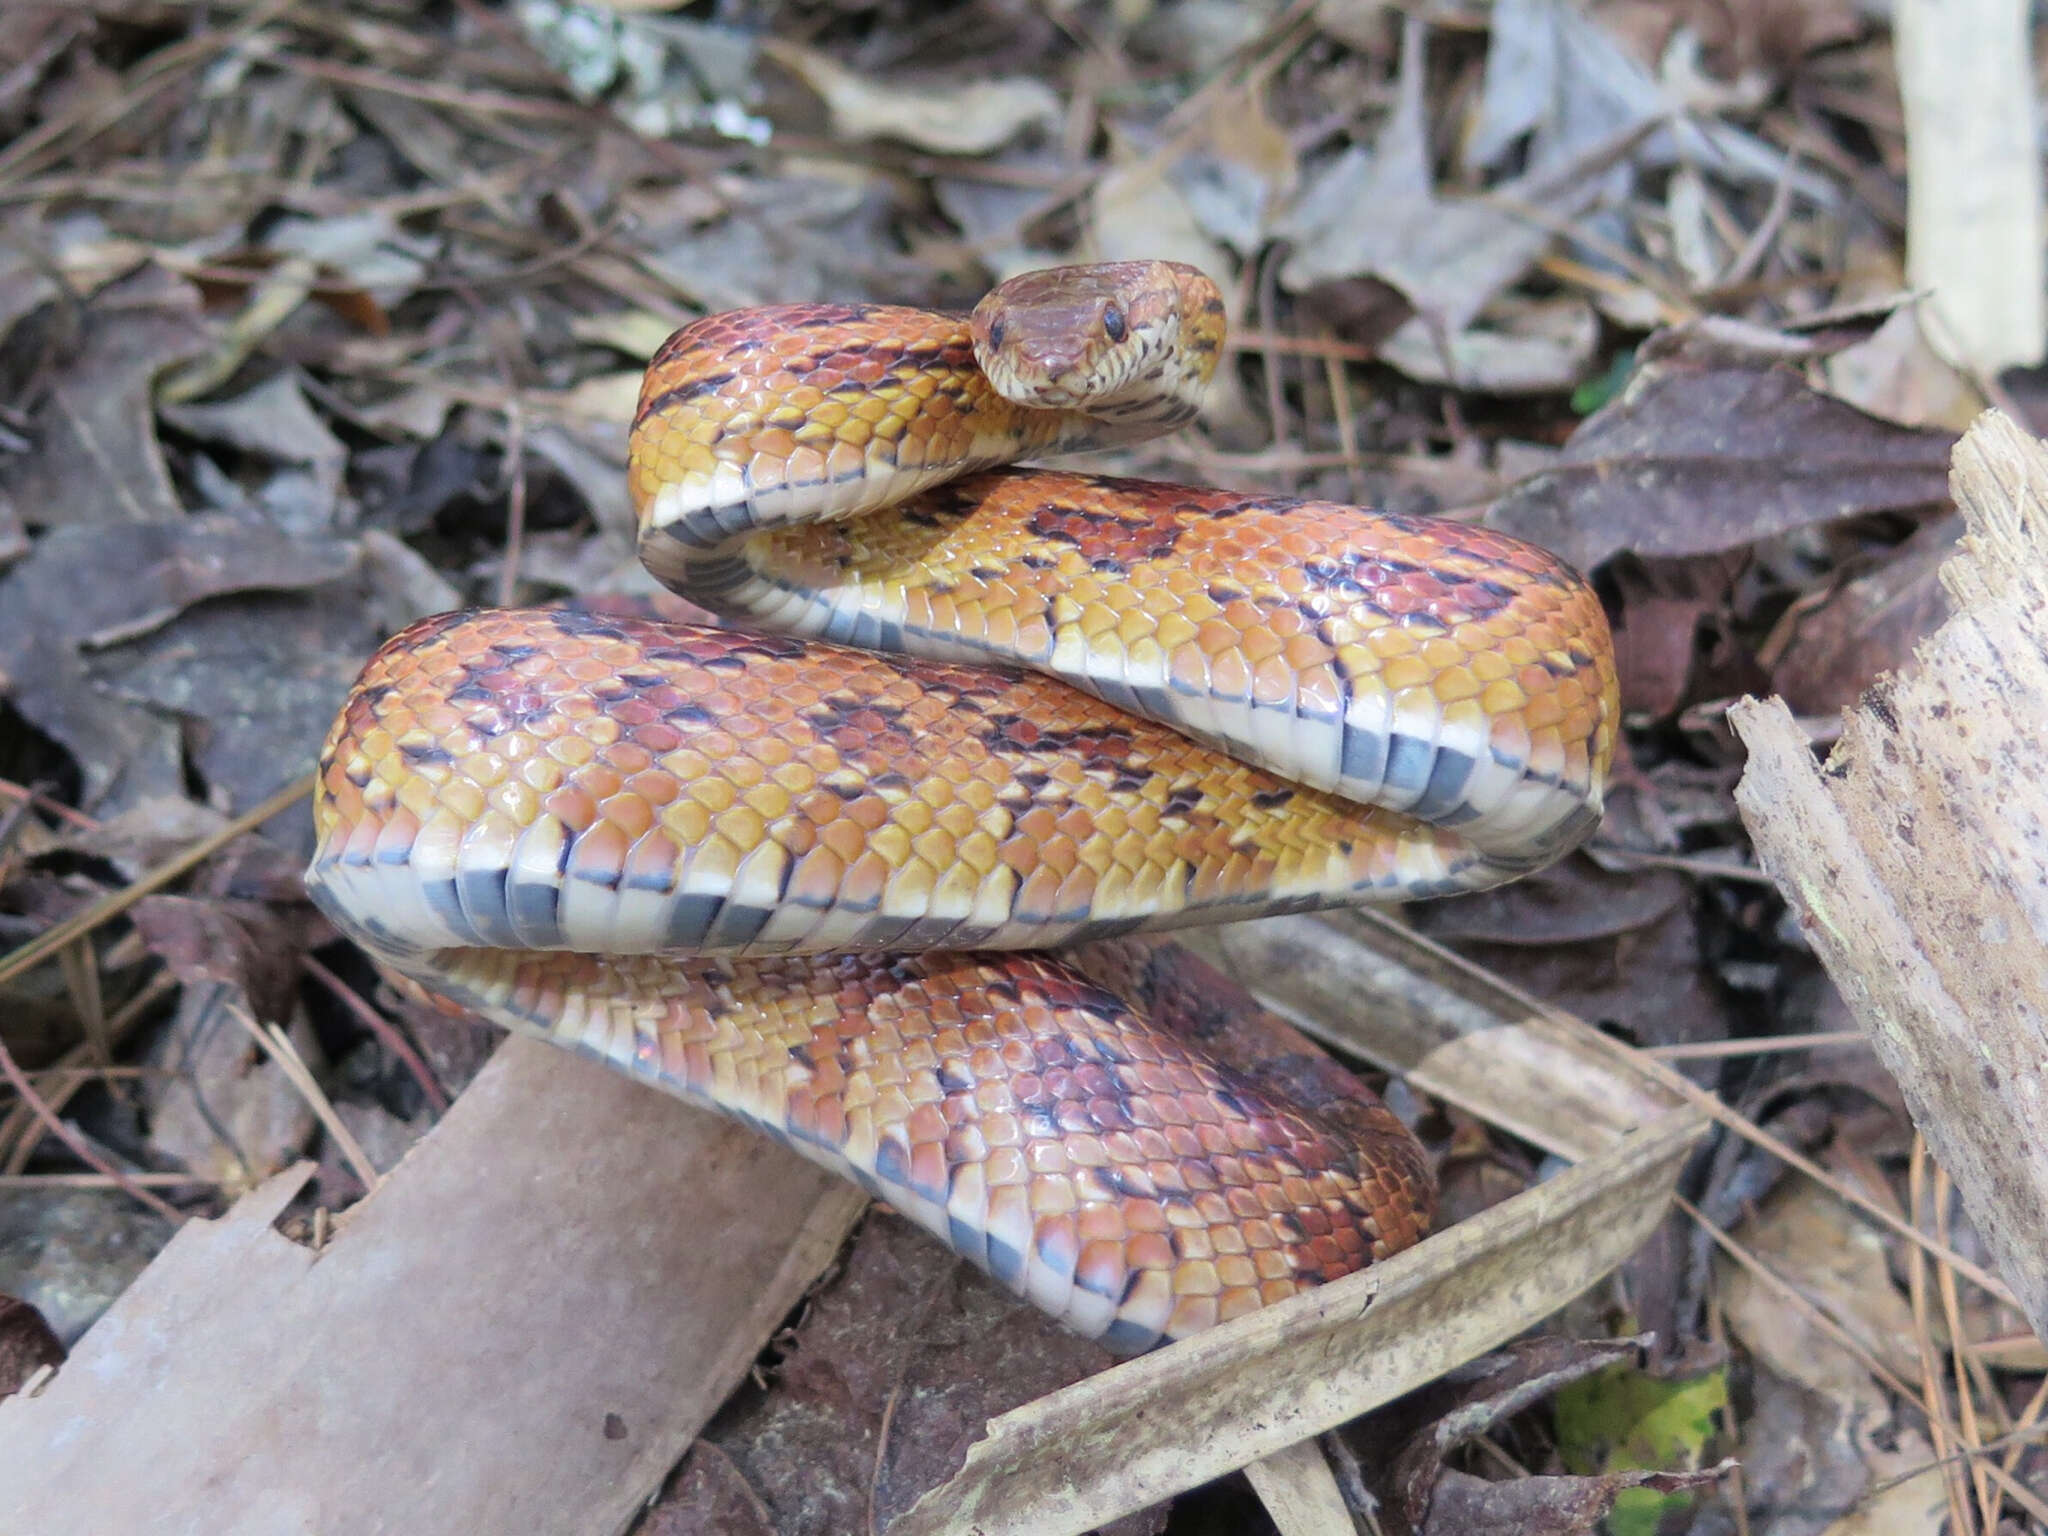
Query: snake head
{"type": "Point", "coordinates": [1128, 341]}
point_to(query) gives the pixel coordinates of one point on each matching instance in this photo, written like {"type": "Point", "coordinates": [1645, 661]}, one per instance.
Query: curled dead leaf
{"type": "Point", "coordinates": [969, 119]}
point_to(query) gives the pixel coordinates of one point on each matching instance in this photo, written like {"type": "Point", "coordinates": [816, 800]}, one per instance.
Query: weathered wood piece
{"type": "Point", "coordinates": [1917, 858]}
{"type": "Point", "coordinates": [521, 1330]}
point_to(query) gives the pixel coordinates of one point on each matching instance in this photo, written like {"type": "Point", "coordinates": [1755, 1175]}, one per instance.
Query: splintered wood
{"type": "Point", "coordinates": [1917, 858]}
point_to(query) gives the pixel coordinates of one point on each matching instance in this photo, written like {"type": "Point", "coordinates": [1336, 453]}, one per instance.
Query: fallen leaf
{"type": "Point", "coordinates": [1375, 212]}
{"type": "Point", "coordinates": [67, 609]}
{"type": "Point", "coordinates": [1895, 374]}
{"type": "Point", "coordinates": [1812, 1240]}
{"type": "Point", "coordinates": [1558, 85]}
{"type": "Point", "coordinates": [1806, 1451]}
{"type": "Point", "coordinates": [1424, 1495]}
{"type": "Point", "coordinates": [1244, 169]}
{"type": "Point", "coordinates": [1713, 444]}
{"type": "Point", "coordinates": [26, 1344]}
{"type": "Point", "coordinates": [25, 284]}
{"type": "Point", "coordinates": [405, 487]}
{"type": "Point", "coordinates": [270, 302]}
{"type": "Point", "coordinates": [253, 686]}
{"type": "Point", "coordinates": [96, 460]}
{"type": "Point", "coordinates": [608, 399]}
{"type": "Point", "coordinates": [70, 1252]}
{"type": "Point", "coordinates": [634, 332]}
{"type": "Point", "coordinates": [370, 248]}
{"type": "Point", "coordinates": [1536, 348]}
{"type": "Point", "coordinates": [1739, 36]}
{"type": "Point", "coordinates": [1623, 1419]}
{"type": "Point", "coordinates": [145, 834]}
{"type": "Point", "coordinates": [1646, 980]}
{"type": "Point", "coordinates": [273, 421]}
{"type": "Point", "coordinates": [1868, 626]}
{"type": "Point", "coordinates": [222, 1108]}
{"type": "Point", "coordinates": [799, 237]}
{"type": "Point", "coordinates": [1675, 640]}
{"type": "Point", "coordinates": [1568, 903]}
{"type": "Point", "coordinates": [1654, 648]}
{"type": "Point", "coordinates": [1911, 1498]}
{"type": "Point", "coordinates": [1553, 1506]}
{"type": "Point", "coordinates": [967, 119]}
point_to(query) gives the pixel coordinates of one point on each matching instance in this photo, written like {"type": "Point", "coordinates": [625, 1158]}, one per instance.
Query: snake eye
{"type": "Point", "coordinates": [1113, 321]}
{"type": "Point", "coordinates": [995, 332]}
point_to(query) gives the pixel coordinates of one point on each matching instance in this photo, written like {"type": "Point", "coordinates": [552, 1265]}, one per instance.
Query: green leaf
{"type": "Point", "coordinates": [1596, 392]}
{"type": "Point", "coordinates": [1623, 1420]}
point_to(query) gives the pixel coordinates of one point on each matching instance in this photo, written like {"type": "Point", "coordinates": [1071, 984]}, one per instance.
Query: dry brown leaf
{"type": "Point", "coordinates": [26, 1344]}
{"type": "Point", "coordinates": [1474, 1400]}
{"type": "Point", "coordinates": [1543, 1506]}
{"type": "Point", "coordinates": [968, 119]}
{"type": "Point", "coordinates": [1809, 1451]}
{"type": "Point", "coordinates": [1912, 1499]}
{"type": "Point", "coordinates": [88, 608]}
{"type": "Point", "coordinates": [1738, 36]}
{"type": "Point", "coordinates": [1244, 169]}
{"type": "Point", "coordinates": [1895, 374]}
{"type": "Point", "coordinates": [97, 460]}
{"type": "Point", "coordinates": [1376, 212]}
{"type": "Point", "coordinates": [1712, 444]}
{"type": "Point", "coordinates": [1559, 85]}
{"type": "Point", "coordinates": [1538, 348]}
{"type": "Point", "coordinates": [1674, 642]}
{"type": "Point", "coordinates": [1867, 627]}
{"type": "Point", "coordinates": [1570, 902]}
{"type": "Point", "coordinates": [275, 422]}
{"type": "Point", "coordinates": [219, 1107]}
{"type": "Point", "coordinates": [1829, 1255]}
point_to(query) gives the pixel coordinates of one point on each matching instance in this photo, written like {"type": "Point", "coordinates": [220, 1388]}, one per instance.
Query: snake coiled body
{"type": "Point", "coordinates": [995, 710]}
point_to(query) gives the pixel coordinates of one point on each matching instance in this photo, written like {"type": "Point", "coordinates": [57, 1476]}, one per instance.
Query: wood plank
{"type": "Point", "coordinates": [521, 1330]}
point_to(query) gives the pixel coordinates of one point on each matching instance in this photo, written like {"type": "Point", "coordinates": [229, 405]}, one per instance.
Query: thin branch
{"type": "Point", "coordinates": [111, 906]}
{"type": "Point", "coordinates": [79, 1146]}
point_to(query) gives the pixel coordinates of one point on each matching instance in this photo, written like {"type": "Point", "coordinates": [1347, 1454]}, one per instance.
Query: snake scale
{"type": "Point", "coordinates": [808, 870]}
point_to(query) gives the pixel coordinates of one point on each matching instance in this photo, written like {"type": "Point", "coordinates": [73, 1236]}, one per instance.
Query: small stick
{"type": "Point", "coordinates": [77, 1143]}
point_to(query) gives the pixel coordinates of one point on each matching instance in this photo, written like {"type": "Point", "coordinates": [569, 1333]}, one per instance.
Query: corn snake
{"type": "Point", "coordinates": [801, 870]}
